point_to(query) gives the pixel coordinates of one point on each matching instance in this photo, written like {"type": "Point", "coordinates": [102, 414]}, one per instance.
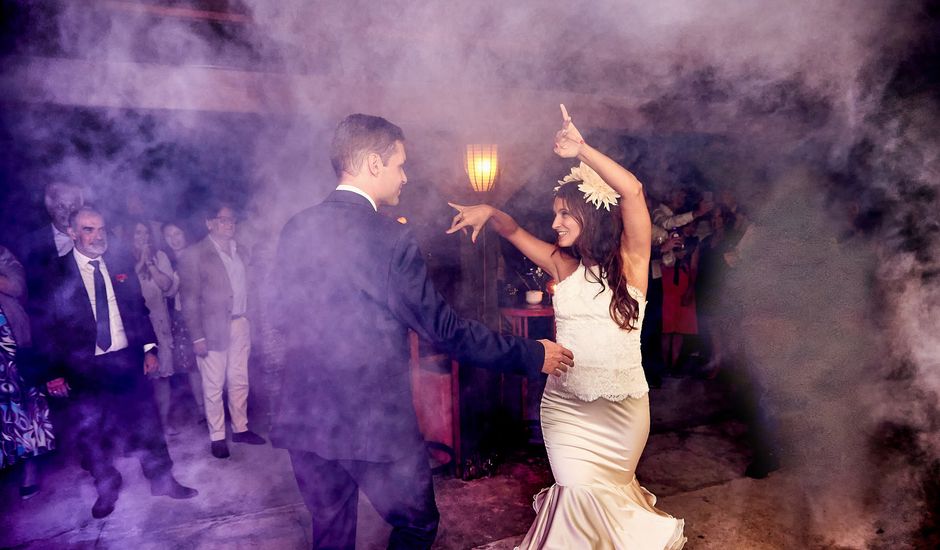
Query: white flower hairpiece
{"type": "Point", "coordinates": [595, 189]}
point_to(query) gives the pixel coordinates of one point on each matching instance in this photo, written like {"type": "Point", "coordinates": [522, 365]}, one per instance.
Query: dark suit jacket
{"type": "Point", "coordinates": [64, 329]}
{"type": "Point", "coordinates": [206, 293]}
{"type": "Point", "coordinates": [351, 283]}
{"type": "Point", "coordinates": [37, 251]}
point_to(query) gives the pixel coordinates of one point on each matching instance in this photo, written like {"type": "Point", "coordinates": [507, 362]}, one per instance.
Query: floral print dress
{"type": "Point", "coordinates": [26, 430]}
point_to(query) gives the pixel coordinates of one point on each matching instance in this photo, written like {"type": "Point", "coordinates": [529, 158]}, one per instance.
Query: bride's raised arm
{"type": "Point", "coordinates": [637, 227]}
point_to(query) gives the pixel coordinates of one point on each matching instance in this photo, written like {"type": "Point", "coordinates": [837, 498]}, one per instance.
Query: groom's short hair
{"type": "Point", "coordinates": [357, 136]}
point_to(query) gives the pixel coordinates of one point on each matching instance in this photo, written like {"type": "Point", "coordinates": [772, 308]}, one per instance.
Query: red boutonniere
{"type": "Point", "coordinates": [120, 277]}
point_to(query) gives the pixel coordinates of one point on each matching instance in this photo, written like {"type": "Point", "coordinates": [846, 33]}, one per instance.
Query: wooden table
{"type": "Point", "coordinates": [518, 319]}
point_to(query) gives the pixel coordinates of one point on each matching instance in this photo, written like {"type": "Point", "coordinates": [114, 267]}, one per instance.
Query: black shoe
{"type": "Point", "coordinates": [167, 486]}
{"type": "Point", "coordinates": [104, 505]}
{"type": "Point", "coordinates": [106, 498]}
{"type": "Point", "coordinates": [762, 465]}
{"type": "Point", "coordinates": [249, 437]}
{"type": "Point", "coordinates": [219, 449]}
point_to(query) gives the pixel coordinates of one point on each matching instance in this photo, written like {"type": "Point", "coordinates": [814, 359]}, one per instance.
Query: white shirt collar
{"type": "Point", "coordinates": [232, 247]}
{"type": "Point", "coordinates": [56, 231]}
{"type": "Point", "coordinates": [83, 260]}
{"type": "Point", "coordinates": [356, 190]}
{"type": "Point", "coordinates": [63, 243]}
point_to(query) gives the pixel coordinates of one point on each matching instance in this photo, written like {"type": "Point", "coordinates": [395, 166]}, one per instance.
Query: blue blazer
{"type": "Point", "coordinates": [64, 329]}
{"type": "Point", "coordinates": [350, 284]}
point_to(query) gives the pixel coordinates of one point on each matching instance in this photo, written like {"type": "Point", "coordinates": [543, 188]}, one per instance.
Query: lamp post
{"type": "Point", "coordinates": [482, 166]}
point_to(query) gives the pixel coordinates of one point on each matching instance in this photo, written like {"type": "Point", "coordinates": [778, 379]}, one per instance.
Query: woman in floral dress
{"type": "Point", "coordinates": [25, 430]}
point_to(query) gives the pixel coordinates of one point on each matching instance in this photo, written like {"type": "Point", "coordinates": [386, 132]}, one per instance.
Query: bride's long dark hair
{"type": "Point", "coordinates": [599, 244]}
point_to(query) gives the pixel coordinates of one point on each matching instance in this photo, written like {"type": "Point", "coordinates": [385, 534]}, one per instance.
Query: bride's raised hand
{"type": "Point", "coordinates": [473, 217]}
{"type": "Point", "coordinates": [568, 140]}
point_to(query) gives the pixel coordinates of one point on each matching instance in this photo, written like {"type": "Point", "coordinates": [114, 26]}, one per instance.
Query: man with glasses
{"type": "Point", "coordinates": [213, 283]}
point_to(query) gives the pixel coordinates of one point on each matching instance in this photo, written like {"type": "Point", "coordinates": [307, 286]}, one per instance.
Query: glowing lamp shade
{"type": "Point", "coordinates": [482, 166]}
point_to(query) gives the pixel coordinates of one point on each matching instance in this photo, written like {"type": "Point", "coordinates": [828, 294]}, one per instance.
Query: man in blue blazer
{"type": "Point", "coordinates": [351, 284]}
{"type": "Point", "coordinates": [95, 341]}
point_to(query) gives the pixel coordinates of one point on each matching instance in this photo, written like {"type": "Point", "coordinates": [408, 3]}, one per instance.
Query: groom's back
{"type": "Point", "coordinates": [346, 387]}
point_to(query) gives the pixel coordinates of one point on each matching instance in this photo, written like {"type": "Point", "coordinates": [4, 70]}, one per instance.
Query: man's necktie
{"type": "Point", "coordinates": [101, 308]}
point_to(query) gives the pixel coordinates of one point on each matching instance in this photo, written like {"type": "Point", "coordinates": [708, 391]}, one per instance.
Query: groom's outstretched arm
{"type": "Point", "coordinates": [415, 301]}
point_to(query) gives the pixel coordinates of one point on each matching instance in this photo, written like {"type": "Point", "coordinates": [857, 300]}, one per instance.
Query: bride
{"type": "Point", "coordinates": [595, 418]}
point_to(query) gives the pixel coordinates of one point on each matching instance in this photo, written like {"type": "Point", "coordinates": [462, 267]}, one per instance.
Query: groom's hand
{"type": "Point", "coordinates": [557, 358]}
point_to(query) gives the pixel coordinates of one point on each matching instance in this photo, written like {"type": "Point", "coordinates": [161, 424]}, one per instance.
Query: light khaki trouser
{"type": "Point", "coordinates": [227, 369]}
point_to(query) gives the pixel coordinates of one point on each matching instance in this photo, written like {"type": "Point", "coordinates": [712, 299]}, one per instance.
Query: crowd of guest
{"type": "Point", "coordinates": [104, 316]}
{"type": "Point", "coordinates": [694, 244]}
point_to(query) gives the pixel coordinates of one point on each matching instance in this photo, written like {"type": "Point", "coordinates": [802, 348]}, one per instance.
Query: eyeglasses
{"type": "Point", "coordinates": [226, 220]}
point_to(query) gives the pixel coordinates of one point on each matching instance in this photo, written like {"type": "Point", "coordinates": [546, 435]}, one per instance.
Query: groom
{"type": "Point", "coordinates": [351, 284]}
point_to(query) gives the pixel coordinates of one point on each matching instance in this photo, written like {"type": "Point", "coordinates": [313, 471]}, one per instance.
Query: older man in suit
{"type": "Point", "coordinates": [95, 340]}
{"type": "Point", "coordinates": [214, 287]}
{"type": "Point", "coordinates": [352, 283]}
{"type": "Point", "coordinates": [39, 249]}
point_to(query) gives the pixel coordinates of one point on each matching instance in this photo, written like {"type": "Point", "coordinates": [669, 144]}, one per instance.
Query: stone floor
{"type": "Point", "coordinates": [694, 462]}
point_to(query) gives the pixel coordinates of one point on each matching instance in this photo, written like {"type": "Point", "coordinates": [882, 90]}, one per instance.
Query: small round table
{"type": "Point", "coordinates": [518, 317]}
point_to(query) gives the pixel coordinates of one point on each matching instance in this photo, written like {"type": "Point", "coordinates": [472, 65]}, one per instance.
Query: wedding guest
{"type": "Point", "coordinates": [25, 431]}
{"type": "Point", "coordinates": [679, 314]}
{"type": "Point", "coordinates": [96, 344]}
{"type": "Point", "coordinates": [712, 258]}
{"type": "Point", "coordinates": [667, 215]}
{"type": "Point", "coordinates": [184, 360]}
{"type": "Point", "coordinates": [214, 284]}
{"type": "Point", "coordinates": [39, 249]}
{"type": "Point", "coordinates": [157, 283]}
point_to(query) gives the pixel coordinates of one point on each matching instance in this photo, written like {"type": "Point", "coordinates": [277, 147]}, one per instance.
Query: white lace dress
{"type": "Point", "coordinates": [595, 421]}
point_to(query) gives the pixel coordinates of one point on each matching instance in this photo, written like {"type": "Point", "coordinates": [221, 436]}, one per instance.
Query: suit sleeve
{"type": "Point", "coordinates": [189, 293]}
{"type": "Point", "coordinates": [47, 358]}
{"type": "Point", "coordinates": [414, 300]}
{"type": "Point", "coordinates": [667, 220]}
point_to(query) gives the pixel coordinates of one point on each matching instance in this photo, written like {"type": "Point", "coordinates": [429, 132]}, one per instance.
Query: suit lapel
{"type": "Point", "coordinates": [74, 296]}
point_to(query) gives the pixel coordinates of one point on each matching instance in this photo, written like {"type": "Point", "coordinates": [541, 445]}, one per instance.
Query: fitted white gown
{"type": "Point", "coordinates": [595, 422]}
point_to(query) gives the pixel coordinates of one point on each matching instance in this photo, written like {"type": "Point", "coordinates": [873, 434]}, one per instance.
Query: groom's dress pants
{"type": "Point", "coordinates": [400, 491]}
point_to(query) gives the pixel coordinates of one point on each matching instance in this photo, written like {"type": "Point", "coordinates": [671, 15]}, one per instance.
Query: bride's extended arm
{"type": "Point", "coordinates": [543, 254]}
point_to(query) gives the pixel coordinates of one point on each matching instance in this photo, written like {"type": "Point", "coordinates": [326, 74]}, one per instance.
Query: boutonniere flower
{"type": "Point", "coordinates": [120, 277]}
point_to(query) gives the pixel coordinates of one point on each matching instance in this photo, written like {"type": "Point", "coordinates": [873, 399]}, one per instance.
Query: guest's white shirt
{"type": "Point", "coordinates": [236, 275]}
{"type": "Point", "coordinates": [356, 190]}
{"type": "Point", "coordinates": [118, 336]}
{"type": "Point", "coordinates": [663, 216]}
{"type": "Point", "coordinates": [63, 243]}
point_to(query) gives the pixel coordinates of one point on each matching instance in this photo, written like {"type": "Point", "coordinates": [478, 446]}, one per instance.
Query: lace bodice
{"type": "Point", "coordinates": [607, 358]}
